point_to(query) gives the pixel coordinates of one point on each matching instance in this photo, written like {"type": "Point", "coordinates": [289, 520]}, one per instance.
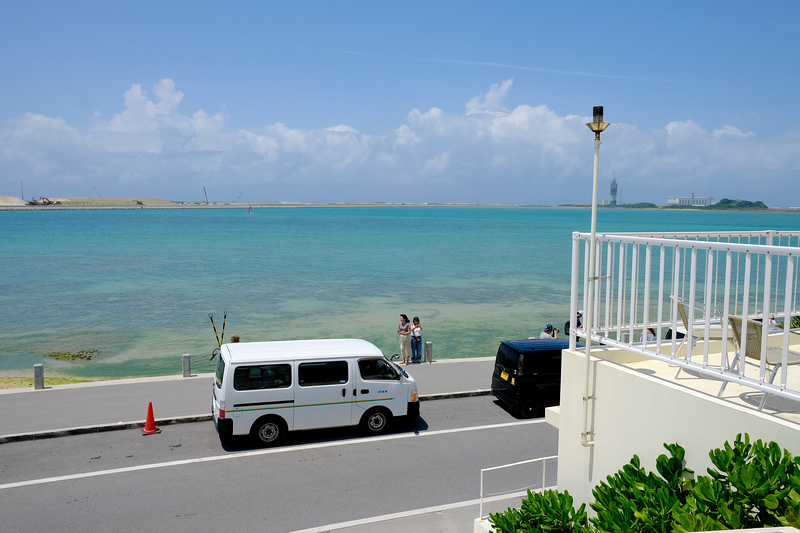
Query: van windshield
{"type": "Point", "coordinates": [377, 369]}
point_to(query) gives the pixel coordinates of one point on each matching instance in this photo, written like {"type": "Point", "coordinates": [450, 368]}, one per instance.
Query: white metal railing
{"type": "Point", "coordinates": [543, 460]}
{"type": "Point", "coordinates": [642, 279]}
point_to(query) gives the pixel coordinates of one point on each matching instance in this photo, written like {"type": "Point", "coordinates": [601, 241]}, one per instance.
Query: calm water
{"type": "Point", "coordinates": [137, 286]}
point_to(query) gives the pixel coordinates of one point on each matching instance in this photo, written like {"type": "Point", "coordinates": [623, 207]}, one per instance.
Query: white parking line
{"type": "Point", "coordinates": [267, 451]}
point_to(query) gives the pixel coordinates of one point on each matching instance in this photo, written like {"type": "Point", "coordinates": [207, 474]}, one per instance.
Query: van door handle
{"type": "Point", "coordinates": [344, 393]}
{"type": "Point", "coordinates": [364, 391]}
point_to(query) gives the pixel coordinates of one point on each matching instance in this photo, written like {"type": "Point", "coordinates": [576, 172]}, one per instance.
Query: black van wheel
{"type": "Point", "coordinates": [376, 421]}
{"type": "Point", "coordinates": [268, 431]}
{"type": "Point", "coordinates": [530, 409]}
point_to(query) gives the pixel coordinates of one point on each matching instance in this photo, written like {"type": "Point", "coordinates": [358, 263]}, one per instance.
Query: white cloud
{"type": "Point", "coordinates": [491, 102]}
{"type": "Point", "coordinates": [730, 131]}
{"type": "Point", "coordinates": [528, 154]}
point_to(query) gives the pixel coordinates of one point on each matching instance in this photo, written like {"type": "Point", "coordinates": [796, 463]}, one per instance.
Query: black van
{"type": "Point", "coordinates": [527, 374]}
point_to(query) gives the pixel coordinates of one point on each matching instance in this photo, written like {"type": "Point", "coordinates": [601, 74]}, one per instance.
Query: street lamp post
{"type": "Point", "coordinates": [597, 126]}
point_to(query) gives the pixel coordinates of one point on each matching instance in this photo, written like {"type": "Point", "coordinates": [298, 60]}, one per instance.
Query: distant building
{"type": "Point", "coordinates": [694, 201]}
{"type": "Point", "coordinates": [614, 191]}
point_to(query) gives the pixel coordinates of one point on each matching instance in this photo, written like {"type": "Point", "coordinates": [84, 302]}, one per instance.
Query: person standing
{"type": "Point", "coordinates": [404, 330]}
{"type": "Point", "coordinates": [416, 341]}
{"type": "Point", "coordinates": [773, 326]}
{"type": "Point", "coordinates": [578, 322]}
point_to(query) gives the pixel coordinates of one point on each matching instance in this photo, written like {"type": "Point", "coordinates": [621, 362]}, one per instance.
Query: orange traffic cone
{"type": "Point", "coordinates": [150, 425]}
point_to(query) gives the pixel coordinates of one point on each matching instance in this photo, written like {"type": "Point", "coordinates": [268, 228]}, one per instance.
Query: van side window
{"type": "Point", "coordinates": [542, 361]}
{"type": "Point", "coordinates": [323, 373]}
{"type": "Point", "coordinates": [372, 369]}
{"type": "Point", "coordinates": [220, 372]}
{"type": "Point", "coordinates": [277, 376]}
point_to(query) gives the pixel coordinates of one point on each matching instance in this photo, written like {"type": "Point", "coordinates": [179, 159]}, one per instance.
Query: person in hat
{"type": "Point", "coordinates": [549, 332]}
{"type": "Point", "coordinates": [578, 321]}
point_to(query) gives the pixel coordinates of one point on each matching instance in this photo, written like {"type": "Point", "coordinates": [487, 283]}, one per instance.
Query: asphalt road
{"type": "Point", "coordinates": [185, 479]}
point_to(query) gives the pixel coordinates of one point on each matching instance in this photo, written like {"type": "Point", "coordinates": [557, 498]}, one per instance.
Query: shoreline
{"type": "Point", "coordinates": [11, 203]}
{"type": "Point", "coordinates": [159, 203]}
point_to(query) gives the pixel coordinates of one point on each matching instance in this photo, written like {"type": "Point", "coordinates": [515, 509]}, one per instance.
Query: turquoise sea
{"type": "Point", "coordinates": [135, 287]}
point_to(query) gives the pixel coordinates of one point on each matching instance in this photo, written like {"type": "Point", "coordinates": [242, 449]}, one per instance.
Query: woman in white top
{"type": "Point", "coordinates": [416, 342]}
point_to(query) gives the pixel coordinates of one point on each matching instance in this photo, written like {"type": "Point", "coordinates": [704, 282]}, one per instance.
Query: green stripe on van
{"type": "Point", "coordinates": [270, 408]}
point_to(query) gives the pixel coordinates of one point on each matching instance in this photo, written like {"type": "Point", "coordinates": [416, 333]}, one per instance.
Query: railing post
{"type": "Point", "coordinates": [573, 294]}
{"type": "Point", "coordinates": [787, 320]}
{"type": "Point", "coordinates": [187, 365]}
{"type": "Point", "coordinates": [621, 289]}
{"type": "Point", "coordinates": [609, 283]}
{"type": "Point", "coordinates": [480, 511]}
{"type": "Point", "coordinates": [428, 352]}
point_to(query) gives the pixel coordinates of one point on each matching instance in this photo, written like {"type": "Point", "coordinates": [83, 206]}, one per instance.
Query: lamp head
{"type": "Point", "coordinates": [597, 125]}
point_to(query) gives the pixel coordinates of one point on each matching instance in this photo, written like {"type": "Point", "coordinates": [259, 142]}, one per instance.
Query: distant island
{"type": "Point", "coordinates": [723, 205]}
{"type": "Point", "coordinates": [727, 203]}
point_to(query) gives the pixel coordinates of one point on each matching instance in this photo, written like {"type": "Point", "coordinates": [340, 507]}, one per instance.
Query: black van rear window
{"type": "Point", "coordinates": [507, 357]}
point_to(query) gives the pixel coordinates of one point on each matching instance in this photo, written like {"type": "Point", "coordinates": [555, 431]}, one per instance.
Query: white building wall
{"type": "Point", "coordinates": [696, 201]}
{"type": "Point", "coordinates": [636, 413]}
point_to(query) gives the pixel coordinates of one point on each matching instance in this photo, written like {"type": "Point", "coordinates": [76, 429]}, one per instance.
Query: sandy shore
{"type": "Point", "coordinates": [13, 201]}
{"type": "Point", "coordinates": [27, 383]}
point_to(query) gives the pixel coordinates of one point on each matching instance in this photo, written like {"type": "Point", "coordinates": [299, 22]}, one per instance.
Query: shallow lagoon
{"type": "Point", "coordinates": [138, 285]}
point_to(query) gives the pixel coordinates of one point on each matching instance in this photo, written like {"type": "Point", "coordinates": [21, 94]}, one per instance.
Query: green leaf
{"type": "Point", "coordinates": [771, 502]}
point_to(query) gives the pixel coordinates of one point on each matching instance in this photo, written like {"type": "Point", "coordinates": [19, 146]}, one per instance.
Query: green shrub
{"type": "Point", "coordinates": [752, 485]}
{"type": "Point", "coordinates": [548, 511]}
{"type": "Point", "coordinates": [640, 501]}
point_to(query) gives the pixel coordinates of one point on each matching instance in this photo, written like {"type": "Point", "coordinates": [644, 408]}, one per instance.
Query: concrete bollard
{"type": "Point", "coordinates": [428, 352]}
{"type": "Point", "coordinates": [38, 376]}
{"type": "Point", "coordinates": [187, 365]}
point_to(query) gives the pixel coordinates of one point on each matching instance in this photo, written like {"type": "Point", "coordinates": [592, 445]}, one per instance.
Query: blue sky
{"type": "Point", "coordinates": [400, 102]}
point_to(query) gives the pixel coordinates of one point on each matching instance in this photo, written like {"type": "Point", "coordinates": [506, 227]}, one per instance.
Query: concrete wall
{"type": "Point", "coordinates": [636, 413]}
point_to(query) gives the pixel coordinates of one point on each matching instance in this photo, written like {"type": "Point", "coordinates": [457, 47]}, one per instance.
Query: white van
{"type": "Point", "coordinates": [268, 388]}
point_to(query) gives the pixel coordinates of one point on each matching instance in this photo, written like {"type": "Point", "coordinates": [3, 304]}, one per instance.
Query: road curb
{"type": "Point", "coordinates": [448, 395]}
{"type": "Point", "coordinates": [99, 428]}
{"type": "Point", "coordinates": [102, 428]}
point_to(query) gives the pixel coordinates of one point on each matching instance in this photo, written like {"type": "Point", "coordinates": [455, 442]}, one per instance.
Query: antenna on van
{"type": "Point", "coordinates": [224, 318]}
{"type": "Point", "coordinates": [219, 342]}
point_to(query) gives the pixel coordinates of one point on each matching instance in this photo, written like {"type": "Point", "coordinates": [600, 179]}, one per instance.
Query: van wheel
{"type": "Point", "coordinates": [268, 431]}
{"type": "Point", "coordinates": [376, 421]}
{"type": "Point", "coordinates": [530, 409]}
